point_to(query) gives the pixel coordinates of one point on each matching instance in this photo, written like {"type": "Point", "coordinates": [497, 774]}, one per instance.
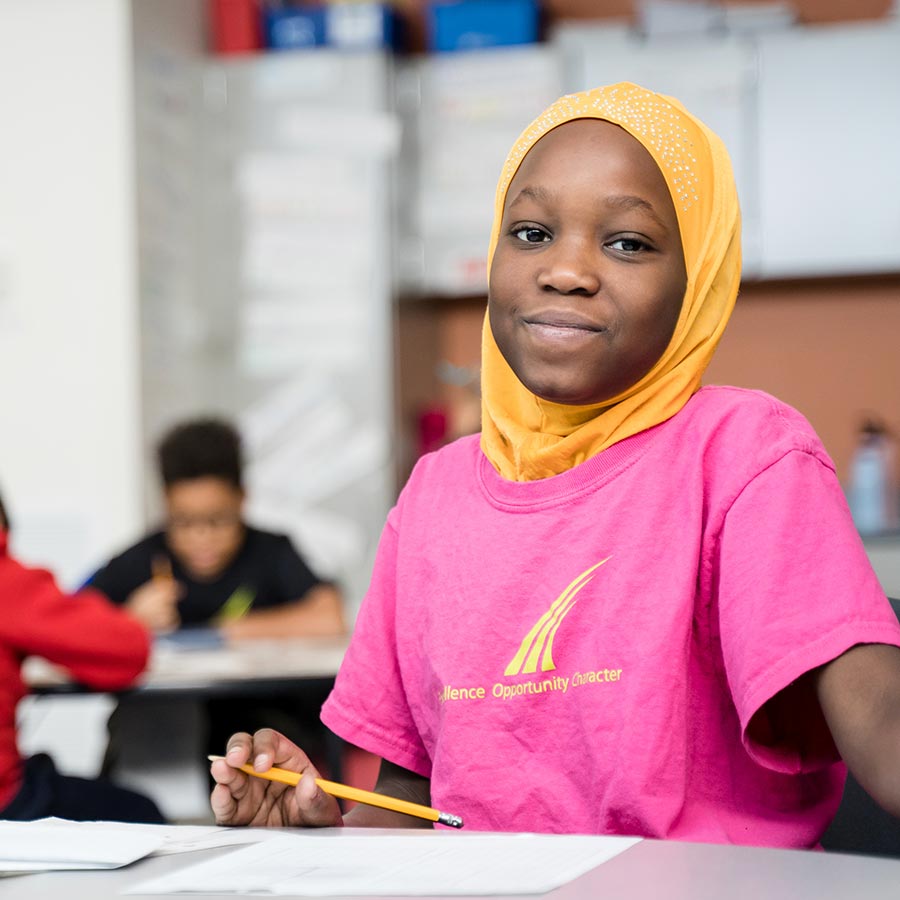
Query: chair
{"type": "Point", "coordinates": [861, 826]}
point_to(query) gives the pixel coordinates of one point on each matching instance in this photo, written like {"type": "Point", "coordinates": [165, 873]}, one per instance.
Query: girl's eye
{"type": "Point", "coordinates": [531, 234]}
{"type": "Point", "coordinates": [628, 245]}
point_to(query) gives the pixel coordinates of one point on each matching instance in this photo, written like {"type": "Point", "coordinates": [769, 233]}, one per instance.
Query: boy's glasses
{"type": "Point", "coordinates": [212, 522]}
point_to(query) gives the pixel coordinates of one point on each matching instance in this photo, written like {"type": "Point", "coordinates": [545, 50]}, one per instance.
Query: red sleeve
{"type": "Point", "coordinates": [100, 645]}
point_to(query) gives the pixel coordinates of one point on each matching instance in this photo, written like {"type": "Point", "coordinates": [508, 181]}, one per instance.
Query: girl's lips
{"type": "Point", "coordinates": [561, 331]}
{"type": "Point", "coordinates": [561, 319]}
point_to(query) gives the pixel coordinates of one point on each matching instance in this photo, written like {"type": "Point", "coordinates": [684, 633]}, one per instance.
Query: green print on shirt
{"type": "Point", "coordinates": [237, 604]}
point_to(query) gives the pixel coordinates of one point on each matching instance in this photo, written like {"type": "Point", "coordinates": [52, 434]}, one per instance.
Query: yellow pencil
{"type": "Point", "coordinates": [161, 568]}
{"type": "Point", "coordinates": [345, 792]}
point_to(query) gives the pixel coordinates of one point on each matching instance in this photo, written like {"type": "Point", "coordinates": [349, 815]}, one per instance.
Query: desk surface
{"type": "Point", "coordinates": [651, 870]}
{"type": "Point", "coordinates": [172, 669]}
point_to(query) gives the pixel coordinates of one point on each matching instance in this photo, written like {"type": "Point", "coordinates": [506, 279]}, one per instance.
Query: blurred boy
{"type": "Point", "coordinates": [208, 567]}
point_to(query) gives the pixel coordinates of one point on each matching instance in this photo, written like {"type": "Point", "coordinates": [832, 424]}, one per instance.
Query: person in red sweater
{"type": "Point", "coordinates": [100, 646]}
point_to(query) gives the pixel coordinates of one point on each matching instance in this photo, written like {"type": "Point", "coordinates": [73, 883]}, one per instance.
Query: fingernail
{"type": "Point", "coordinates": [261, 762]}
{"type": "Point", "coordinates": [308, 786]}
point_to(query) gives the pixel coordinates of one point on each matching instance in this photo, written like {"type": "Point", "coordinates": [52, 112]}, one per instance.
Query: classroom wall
{"type": "Point", "coordinates": [69, 436]}
{"type": "Point", "coordinates": [828, 347]}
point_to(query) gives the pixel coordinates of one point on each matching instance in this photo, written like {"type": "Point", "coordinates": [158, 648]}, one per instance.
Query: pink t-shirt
{"type": "Point", "coordinates": [585, 653]}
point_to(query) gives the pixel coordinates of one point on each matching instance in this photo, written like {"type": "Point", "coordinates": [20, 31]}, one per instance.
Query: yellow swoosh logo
{"type": "Point", "coordinates": [538, 643]}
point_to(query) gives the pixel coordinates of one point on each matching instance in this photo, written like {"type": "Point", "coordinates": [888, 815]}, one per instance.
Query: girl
{"type": "Point", "coordinates": [632, 606]}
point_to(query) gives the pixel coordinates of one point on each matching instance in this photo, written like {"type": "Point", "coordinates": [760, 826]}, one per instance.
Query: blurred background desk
{"type": "Point", "coordinates": [159, 741]}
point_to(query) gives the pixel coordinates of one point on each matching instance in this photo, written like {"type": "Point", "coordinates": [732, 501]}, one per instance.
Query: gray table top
{"type": "Point", "coordinates": [650, 870]}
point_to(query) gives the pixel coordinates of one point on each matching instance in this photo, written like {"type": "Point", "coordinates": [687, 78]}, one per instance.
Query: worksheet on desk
{"type": "Point", "coordinates": [319, 865]}
{"type": "Point", "coordinates": [52, 844]}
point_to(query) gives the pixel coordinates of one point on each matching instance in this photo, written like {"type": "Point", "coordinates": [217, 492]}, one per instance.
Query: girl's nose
{"type": "Point", "coordinates": [570, 267]}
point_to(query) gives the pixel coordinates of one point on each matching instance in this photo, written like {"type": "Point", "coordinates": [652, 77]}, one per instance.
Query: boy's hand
{"type": "Point", "coordinates": [155, 603]}
{"type": "Point", "coordinates": [241, 799]}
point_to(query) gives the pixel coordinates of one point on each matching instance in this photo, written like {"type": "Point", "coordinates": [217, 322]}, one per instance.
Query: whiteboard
{"type": "Point", "coordinates": [829, 132]}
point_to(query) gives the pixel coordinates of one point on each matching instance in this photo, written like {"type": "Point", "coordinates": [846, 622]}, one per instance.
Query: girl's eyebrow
{"type": "Point", "coordinates": [630, 201]}
{"type": "Point", "coordinates": [618, 201]}
{"type": "Point", "coordinates": [532, 192]}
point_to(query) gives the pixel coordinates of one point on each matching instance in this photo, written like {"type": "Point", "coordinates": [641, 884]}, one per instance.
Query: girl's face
{"type": "Point", "coordinates": [588, 276]}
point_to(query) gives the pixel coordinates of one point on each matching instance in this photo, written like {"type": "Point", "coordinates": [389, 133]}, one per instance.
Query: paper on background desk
{"type": "Point", "coordinates": [320, 865]}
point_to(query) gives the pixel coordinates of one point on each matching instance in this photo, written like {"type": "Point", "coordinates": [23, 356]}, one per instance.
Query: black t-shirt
{"type": "Point", "coordinates": [267, 571]}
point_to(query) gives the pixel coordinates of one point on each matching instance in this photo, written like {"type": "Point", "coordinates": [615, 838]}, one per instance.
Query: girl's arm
{"type": "Point", "coordinates": [393, 781]}
{"type": "Point", "coordinates": [859, 693]}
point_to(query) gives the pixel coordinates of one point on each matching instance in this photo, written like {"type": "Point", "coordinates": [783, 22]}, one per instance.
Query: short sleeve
{"type": "Point", "coordinates": [293, 577]}
{"type": "Point", "coordinates": [368, 706]}
{"type": "Point", "coordinates": [796, 590]}
{"type": "Point", "coordinates": [123, 574]}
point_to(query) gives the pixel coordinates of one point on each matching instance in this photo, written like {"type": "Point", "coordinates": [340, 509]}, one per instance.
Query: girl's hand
{"type": "Point", "coordinates": [242, 799]}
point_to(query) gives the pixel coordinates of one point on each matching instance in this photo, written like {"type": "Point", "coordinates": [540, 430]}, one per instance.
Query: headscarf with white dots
{"type": "Point", "coordinates": [527, 438]}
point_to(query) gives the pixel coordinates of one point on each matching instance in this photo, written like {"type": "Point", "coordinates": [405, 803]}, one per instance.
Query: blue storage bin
{"type": "Point", "coordinates": [472, 24]}
{"type": "Point", "coordinates": [294, 28]}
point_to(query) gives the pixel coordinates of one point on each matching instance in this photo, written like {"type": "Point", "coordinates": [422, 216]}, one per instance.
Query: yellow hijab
{"type": "Point", "coordinates": [527, 438]}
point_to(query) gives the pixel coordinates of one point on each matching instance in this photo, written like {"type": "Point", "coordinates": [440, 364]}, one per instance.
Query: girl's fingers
{"type": "Point", "coordinates": [239, 748]}
{"type": "Point", "coordinates": [224, 805]}
{"type": "Point", "coordinates": [315, 807]}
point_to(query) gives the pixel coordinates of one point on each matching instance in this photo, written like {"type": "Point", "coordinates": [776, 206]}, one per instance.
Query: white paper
{"type": "Point", "coordinates": [322, 865]}
{"type": "Point", "coordinates": [356, 133]}
{"type": "Point", "coordinates": [279, 256]}
{"type": "Point", "coordinates": [51, 844]}
{"type": "Point", "coordinates": [188, 838]}
{"type": "Point", "coordinates": [313, 186]}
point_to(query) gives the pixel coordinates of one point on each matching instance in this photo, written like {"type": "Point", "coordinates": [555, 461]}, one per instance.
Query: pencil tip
{"type": "Point", "coordinates": [212, 757]}
{"type": "Point", "coordinates": [451, 820]}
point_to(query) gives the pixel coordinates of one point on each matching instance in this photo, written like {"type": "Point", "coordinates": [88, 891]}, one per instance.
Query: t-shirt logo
{"type": "Point", "coordinates": [538, 643]}
{"type": "Point", "coordinates": [237, 605]}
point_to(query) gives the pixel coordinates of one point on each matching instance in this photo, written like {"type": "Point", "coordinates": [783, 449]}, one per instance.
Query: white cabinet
{"type": "Point", "coordinates": [463, 111]}
{"type": "Point", "coordinates": [829, 150]}
{"type": "Point", "coordinates": [303, 144]}
{"type": "Point", "coordinates": [265, 257]}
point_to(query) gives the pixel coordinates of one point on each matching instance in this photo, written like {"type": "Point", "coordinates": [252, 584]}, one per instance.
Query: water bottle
{"type": "Point", "coordinates": [872, 493]}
